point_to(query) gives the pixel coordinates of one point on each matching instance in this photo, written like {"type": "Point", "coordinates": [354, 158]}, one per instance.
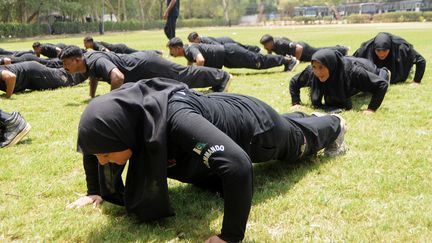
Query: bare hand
{"type": "Point", "coordinates": [86, 200]}
{"type": "Point", "coordinates": [165, 15]}
{"type": "Point", "coordinates": [7, 61]}
{"type": "Point", "coordinates": [214, 239]}
{"type": "Point", "coordinates": [368, 112]}
{"type": "Point", "coordinates": [296, 106]}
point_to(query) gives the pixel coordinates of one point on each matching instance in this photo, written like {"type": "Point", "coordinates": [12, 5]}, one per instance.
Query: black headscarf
{"type": "Point", "coordinates": [335, 88]}
{"type": "Point", "coordinates": [400, 59]}
{"type": "Point", "coordinates": [382, 41]}
{"type": "Point", "coordinates": [135, 117]}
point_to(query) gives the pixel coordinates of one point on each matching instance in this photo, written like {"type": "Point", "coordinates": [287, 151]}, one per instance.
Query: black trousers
{"type": "Point", "coordinates": [194, 76]}
{"type": "Point", "coordinates": [170, 27]}
{"type": "Point", "coordinates": [238, 57]}
{"type": "Point", "coordinates": [199, 77]}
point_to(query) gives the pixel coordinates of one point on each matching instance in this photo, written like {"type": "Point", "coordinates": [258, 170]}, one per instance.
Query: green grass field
{"type": "Point", "coordinates": [379, 191]}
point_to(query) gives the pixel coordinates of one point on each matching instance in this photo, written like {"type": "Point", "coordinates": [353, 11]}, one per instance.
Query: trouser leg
{"type": "Point", "coordinates": [239, 57]}
{"type": "Point", "coordinates": [170, 27]}
{"type": "Point", "coordinates": [199, 77]}
{"type": "Point", "coordinates": [319, 132]}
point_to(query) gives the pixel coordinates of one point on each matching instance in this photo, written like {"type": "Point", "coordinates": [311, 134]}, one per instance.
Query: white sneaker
{"type": "Point", "coordinates": [338, 146]}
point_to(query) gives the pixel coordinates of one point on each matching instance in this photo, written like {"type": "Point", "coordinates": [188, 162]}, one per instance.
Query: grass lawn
{"type": "Point", "coordinates": [379, 191]}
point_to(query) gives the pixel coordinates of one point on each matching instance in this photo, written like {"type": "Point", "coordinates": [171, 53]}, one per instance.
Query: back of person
{"type": "Point", "coordinates": [213, 54]}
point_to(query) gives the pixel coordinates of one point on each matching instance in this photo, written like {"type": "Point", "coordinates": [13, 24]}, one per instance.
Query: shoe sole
{"type": "Point", "coordinates": [295, 65]}
{"type": "Point", "coordinates": [227, 86]}
{"type": "Point", "coordinates": [20, 135]}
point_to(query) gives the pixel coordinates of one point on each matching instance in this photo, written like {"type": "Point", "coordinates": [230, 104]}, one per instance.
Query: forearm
{"type": "Point", "coordinates": [377, 99]}
{"type": "Point", "coordinates": [295, 93]}
{"type": "Point", "coordinates": [420, 68]}
{"type": "Point", "coordinates": [90, 163]}
{"type": "Point", "coordinates": [10, 85]}
{"type": "Point", "coordinates": [93, 86]}
{"type": "Point", "coordinates": [170, 6]}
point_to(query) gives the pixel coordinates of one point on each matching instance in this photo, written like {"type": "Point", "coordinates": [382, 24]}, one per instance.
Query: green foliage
{"type": "Point", "coordinates": [359, 18]}
{"type": "Point", "coordinates": [398, 17]}
{"type": "Point", "coordinates": [18, 30]}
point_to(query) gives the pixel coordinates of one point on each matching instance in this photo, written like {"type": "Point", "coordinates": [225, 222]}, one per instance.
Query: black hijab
{"type": "Point", "coordinates": [335, 88]}
{"type": "Point", "coordinates": [400, 59]}
{"type": "Point", "coordinates": [382, 41]}
{"type": "Point", "coordinates": [134, 116]}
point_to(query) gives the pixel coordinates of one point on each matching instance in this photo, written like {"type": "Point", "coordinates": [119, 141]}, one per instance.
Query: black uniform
{"type": "Point", "coordinates": [207, 140]}
{"type": "Point", "coordinates": [348, 76]}
{"type": "Point", "coordinates": [170, 25]}
{"type": "Point", "coordinates": [35, 76]}
{"type": "Point", "coordinates": [148, 64]}
{"type": "Point", "coordinates": [49, 50]}
{"type": "Point", "coordinates": [117, 48]}
{"type": "Point", "coordinates": [400, 60]}
{"type": "Point", "coordinates": [4, 52]}
{"type": "Point", "coordinates": [53, 62]}
{"type": "Point", "coordinates": [283, 46]}
{"type": "Point", "coordinates": [224, 40]}
{"type": "Point", "coordinates": [232, 56]}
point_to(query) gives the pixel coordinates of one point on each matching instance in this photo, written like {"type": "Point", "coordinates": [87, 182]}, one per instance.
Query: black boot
{"type": "Point", "coordinates": [14, 129]}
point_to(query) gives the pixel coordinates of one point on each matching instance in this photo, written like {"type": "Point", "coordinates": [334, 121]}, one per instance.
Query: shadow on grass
{"type": "Point", "coordinates": [256, 73]}
{"type": "Point", "coordinates": [197, 209]}
{"type": "Point", "coordinates": [75, 104]}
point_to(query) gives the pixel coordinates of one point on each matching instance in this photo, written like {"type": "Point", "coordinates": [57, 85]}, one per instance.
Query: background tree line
{"type": "Point", "coordinates": [38, 11]}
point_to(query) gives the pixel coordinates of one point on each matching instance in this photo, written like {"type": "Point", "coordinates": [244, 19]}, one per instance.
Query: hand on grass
{"type": "Point", "coordinates": [368, 112]}
{"type": "Point", "coordinates": [296, 106]}
{"type": "Point", "coordinates": [214, 239]}
{"type": "Point", "coordinates": [86, 200]}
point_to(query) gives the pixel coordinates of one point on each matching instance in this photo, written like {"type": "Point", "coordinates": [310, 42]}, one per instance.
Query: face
{"type": "Point", "coordinates": [37, 50]}
{"type": "Point", "coordinates": [196, 40]}
{"type": "Point", "coordinates": [268, 46]}
{"type": "Point", "coordinates": [320, 71]}
{"type": "Point", "coordinates": [382, 53]}
{"type": "Point", "coordinates": [176, 51]}
{"type": "Point", "coordinates": [73, 64]}
{"type": "Point", "coordinates": [120, 157]}
{"type": "Point", "coordinates": [88, 44]}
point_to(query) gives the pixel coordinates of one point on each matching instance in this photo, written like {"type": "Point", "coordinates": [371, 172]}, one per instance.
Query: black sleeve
{"type": "Point", "coordinates": [194, 51]}
{"type": "Point", "coordinates": [297, 82]}
{"type": "Point", "coordinates": [90, 163]}
{"type": "Point", "coordinates": [103, 67]}
{"type": "Point", "coordinates": [420, 63]}
{"type": "Point", "coordinates": [370, 82]}
{"type": "Point", "coordinates": [104, 180]}
{"type": "Point", "coordinates": [98, 46]}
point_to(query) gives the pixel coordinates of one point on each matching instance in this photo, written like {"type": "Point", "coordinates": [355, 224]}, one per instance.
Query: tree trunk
{"type": "Point", "coordinates": [161, 8]}
{"type": "Point", "coordinates": [142, 14]}
{"type": "Point", "coordinates": [124, 10]}
{"type": "Point", "coordinates": [119, 10]}
{"type": "Point", "coordinates": [225, 5]}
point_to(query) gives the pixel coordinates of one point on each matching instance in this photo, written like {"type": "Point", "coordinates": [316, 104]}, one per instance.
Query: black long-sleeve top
{"type": "Point", "coordinates": [299, 81]}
